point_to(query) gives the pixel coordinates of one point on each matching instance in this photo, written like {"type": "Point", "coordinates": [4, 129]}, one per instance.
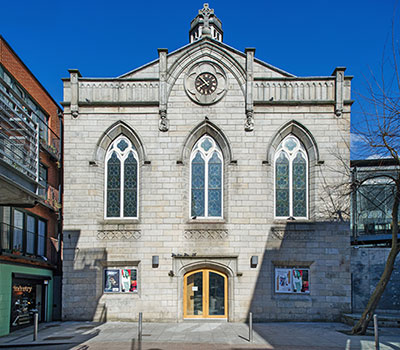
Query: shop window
{"type": "Point", "coordinates": [206, 179]}
{"type": "Point", "coordinates": [120, 280]}
{"type": "Point", "coordinates": [28, 293]}
{"type": "Point", "coordinates": [291, 179]}
{"type": "Point", "coordinates": [121, 180]}
{"type": "Point", "coordinates": [292, 280]}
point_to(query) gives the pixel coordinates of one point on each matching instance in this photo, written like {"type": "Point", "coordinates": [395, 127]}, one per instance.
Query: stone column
{"type": "Point", "coordinates": [339, 90]}
{"type": "Point", "coordinates": [163, 124]}
{"type": "Point", "coordinates": [74, 81]}
{"type": "Point", "coordinates": [249, 125]}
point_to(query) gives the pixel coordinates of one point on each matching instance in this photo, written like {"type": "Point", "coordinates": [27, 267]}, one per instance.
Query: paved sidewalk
{"type": "Point", "coordinates": [196, 336]}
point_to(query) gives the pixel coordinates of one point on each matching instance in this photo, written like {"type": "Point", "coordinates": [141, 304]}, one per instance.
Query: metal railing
{"type": "Point", "coordinates": [51, 196]}
{"type": "Point", "coordinates": [19, 137]}
{"type": "Point", "coordinates": [52, 144]}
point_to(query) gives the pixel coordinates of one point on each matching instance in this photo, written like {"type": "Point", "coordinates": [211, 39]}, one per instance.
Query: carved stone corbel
{"type": "Point", "coordinates": [163, 124]}
{"type": "Point", "coordinates": [249, 125]}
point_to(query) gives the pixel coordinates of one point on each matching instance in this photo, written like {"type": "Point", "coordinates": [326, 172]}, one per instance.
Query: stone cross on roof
{"type": "Point", "coordinates": [206, 12]}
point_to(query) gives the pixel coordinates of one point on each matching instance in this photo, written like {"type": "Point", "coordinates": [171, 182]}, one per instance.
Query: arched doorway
{"type": "Point", "coordinates": [205, 294]}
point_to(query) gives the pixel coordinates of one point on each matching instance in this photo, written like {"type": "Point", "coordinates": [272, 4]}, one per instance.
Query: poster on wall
{"type": "Point", "coordinates": [111, 281]}
{"type": "Point", "coordinates": [120, 281]}
{"type": "Point", "coordinates": [283, 280]}
{"type": "Point", "coordinates": [128, 280]}
{"type": "Point", "coordinates": [292, 280]}
{"type": "Point", "coordinates": [300, 281]}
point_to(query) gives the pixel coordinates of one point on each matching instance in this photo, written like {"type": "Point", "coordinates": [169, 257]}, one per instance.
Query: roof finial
{"type": "Point", "coordinates": [206, 24]}
{"type": "Point", "coordinates": [206, 12]}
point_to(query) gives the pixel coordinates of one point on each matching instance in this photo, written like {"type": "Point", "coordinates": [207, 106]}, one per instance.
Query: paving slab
{"type": "Point", "coordinates": [197, 335]}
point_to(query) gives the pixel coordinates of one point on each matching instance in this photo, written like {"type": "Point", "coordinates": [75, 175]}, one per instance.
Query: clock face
{"type": "Point", "coordinates": [206, 83]}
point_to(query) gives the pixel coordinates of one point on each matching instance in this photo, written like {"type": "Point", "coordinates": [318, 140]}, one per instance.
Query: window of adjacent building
{"type": "Point", "coordinates": [41, 237]}
{"type": "Point", "coordinates": [30, 234]}
{"type": "Point", "coordinates": [18, 230]}
{"type": "Point", "coordinates": [43, 121]}
{"type": "Point", "coordinates": [291, 179]}
{"type": "Point", "coordinates": [22, 232]}
{"type": "Point", "coordinates": [372, 210]}
{"type": "Point", "coordinates": [121, 180]}
{"type": "Point", "coordinates": [206, 179]}
{"type": "Point", "coordinates": [120, 280]}
{"type": "Point", "coordinates": [5, 229]}
{"type": "Point", "coordinates": [292, 280]}
{"type": "Point", "coordinates": [43, 173]}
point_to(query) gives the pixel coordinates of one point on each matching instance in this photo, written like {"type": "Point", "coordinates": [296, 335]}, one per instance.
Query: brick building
{"type": "Point", "coordinates": [197, 186]}
{"type": "Point", "coordinates": [30, 196]}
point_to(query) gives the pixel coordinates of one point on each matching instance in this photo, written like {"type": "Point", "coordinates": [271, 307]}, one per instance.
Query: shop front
{"type": "Point", "coordinates": [28, 296]}
{"type": "Point", "coordinates": [24, 291]}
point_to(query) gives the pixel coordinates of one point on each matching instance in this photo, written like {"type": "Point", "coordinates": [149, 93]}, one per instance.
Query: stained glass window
{"type": "Point", "coordinates": [282, 185]}
{"type": "Point", "coordinates": [121, 179]}
{"type": "Point", "coordinates": [130, 186]}
{"type": "Point", "coordinates": [198, 182]}
{"type": "Point", "coordinates": [206, 179]}
{"type": "Point", "coordinates": [299, 185]}
{"type": "Point", "coordinates": [113, 186]}
{"type": "Point", "coordinates": [291, 177]}
{"type": "Point", "coordinates": [214, 185]}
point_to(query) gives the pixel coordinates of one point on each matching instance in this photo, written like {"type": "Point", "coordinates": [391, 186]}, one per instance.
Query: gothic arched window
{"type": "Point", "coordinates": [121, 167]}
{"type": "Point", "coordinates": [291, 179]}
{"type": "Point", "coordinates": [206, 179]}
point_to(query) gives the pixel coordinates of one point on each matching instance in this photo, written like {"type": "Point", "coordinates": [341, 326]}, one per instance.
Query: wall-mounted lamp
{"type": "Point", "coordinates": [155, 261]}
{"type": "Point", "coordinates": [254, 261]}
{"type": "Point", "coordinates": [171, 273]}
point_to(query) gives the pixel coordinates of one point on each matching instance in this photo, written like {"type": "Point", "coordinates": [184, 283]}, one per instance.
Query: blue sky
{"type": "Point", "coordinates": [105, 39]}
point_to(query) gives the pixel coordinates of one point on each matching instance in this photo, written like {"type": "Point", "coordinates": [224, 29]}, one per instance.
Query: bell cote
{"type": "Point", "coordinates": [206, 24]}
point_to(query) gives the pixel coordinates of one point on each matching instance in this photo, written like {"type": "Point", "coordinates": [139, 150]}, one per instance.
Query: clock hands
{"type": "Point", "coordinates": [204, 81]}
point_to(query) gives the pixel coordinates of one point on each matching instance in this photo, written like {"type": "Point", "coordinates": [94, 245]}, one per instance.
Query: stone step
{"type": "Point", "coordinates": [384, 319]}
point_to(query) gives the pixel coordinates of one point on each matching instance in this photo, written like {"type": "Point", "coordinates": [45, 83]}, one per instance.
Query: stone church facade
{"type": "Point", "coordinates": [201, 185]}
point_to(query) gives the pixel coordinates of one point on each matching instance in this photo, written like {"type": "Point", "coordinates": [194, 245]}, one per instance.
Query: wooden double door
{"type": "Point", "coordinates": [205, 294]}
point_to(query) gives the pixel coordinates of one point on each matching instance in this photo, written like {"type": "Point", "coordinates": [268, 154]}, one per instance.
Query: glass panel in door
{"type": "Point", "coordinates": [194, 294]}
{"type": "Point", "coordinates": [216, 290]}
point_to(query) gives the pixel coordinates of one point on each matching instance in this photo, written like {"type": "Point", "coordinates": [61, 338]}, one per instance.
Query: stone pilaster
{"type": "Point", "coordinates": [74, 79]}
{"type": "Point", "coordinates": [339, 90]}
{"type": "Point", "coordinates": [249, 124]}
{"type": "Point", "coordinates": [163, 122]}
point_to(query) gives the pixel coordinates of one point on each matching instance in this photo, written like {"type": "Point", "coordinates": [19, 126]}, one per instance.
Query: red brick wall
{"type": "Point", "coordinates": [22, 74]}
{"type": "Point", "coordinates": [25, 78]}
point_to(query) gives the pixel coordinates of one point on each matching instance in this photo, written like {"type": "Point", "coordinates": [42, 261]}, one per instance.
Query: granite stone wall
{"type": "Point", "coordinates": [164, 227]}
{"type": "Point", "coordinates": [367, 265]}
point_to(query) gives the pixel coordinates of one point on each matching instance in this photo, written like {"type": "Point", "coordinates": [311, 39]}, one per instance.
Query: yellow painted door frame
{"type": "Point", "coordinates": [205, 294]}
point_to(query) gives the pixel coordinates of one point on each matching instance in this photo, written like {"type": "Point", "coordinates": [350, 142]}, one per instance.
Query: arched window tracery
{"type": "Point", "coordinates": [121, 185]}
{"type": "Point", "coordinates": [206, 179]}
{"type": "Point", "coordinates": [291, 179]}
